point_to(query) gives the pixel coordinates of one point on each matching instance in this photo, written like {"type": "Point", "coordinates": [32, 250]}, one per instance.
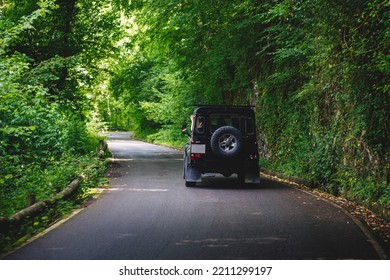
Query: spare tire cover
{"type": "Point", "coordinates": [226, 142]}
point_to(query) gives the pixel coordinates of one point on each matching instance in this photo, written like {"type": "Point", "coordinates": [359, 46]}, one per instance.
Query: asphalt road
{"type": "Point", "coordinates": [147, 213]}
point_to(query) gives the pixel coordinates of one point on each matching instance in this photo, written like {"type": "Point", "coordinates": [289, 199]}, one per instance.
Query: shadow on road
{"type": "Point", "coordinates": [233, 183]}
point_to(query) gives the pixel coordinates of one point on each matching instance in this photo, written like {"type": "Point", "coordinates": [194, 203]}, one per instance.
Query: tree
{"type": "Point", "coordinates": [51, 53]}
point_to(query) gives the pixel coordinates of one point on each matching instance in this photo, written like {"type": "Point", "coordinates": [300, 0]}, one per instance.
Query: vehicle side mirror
{"type": "Point", "coordinates": [184, 128]}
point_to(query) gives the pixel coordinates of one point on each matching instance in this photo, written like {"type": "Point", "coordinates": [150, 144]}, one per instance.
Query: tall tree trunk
{"type": "Point", "coordinates": [68, 11]}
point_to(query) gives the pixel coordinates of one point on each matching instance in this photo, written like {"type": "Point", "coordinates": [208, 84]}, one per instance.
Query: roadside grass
{"type": "Point", "coordinates": [48, 182]}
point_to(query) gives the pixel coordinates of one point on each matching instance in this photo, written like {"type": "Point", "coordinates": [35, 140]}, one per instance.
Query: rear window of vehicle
{"type": "Point", "coordinates": [216, 121]}
{"type": "Point", "coordinates": [200, 124]}
{"type": "Point", "coordinates": [249, 126]}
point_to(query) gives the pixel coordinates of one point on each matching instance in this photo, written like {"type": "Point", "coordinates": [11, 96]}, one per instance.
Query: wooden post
{"type": "Point", "coordinates": [30, 200]}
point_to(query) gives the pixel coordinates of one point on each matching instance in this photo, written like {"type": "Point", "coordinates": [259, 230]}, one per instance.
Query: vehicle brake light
{"type": "Point", "coordinates": [195, 156]}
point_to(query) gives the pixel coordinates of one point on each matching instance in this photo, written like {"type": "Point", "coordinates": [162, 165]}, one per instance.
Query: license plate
{"type": "Point", "coordinates": [198, 148]}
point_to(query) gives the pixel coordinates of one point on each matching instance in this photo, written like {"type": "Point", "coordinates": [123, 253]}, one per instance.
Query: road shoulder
{"type": "Point", "coordinates": [376, 229]}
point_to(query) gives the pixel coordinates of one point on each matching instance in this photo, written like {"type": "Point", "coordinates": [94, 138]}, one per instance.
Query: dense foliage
{"type": "Point", "coordinates": [50, 54]}
{"type": "Point", "coordinates": [319, 80]}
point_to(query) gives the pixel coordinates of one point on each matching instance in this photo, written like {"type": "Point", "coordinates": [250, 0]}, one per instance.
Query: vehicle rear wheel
{"type": "Point", "coordinates": [185, 172]}
{"type": "Point", "coordinates": [190, 184]}
{"type": "Point", "coordinates": [241, 177]}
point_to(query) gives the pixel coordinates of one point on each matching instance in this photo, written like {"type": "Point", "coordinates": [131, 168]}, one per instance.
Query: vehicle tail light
{"type": "Point", "coordinates": [195, 156]}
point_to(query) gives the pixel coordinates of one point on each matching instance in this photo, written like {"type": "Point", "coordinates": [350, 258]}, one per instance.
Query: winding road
{"type": "Point", "coordinates": [147, 213]}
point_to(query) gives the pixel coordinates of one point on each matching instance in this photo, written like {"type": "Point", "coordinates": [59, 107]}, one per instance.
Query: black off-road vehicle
{"type": "Point", "coordinates": [222, 140]}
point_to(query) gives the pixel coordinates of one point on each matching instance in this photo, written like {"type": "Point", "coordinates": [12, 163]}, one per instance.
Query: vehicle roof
{"type": "Point", "coordinates": [223, 109]}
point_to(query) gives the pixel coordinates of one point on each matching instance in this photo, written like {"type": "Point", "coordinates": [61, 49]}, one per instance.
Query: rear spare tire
{"type": "Point", "coordinates": [226, 142]}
